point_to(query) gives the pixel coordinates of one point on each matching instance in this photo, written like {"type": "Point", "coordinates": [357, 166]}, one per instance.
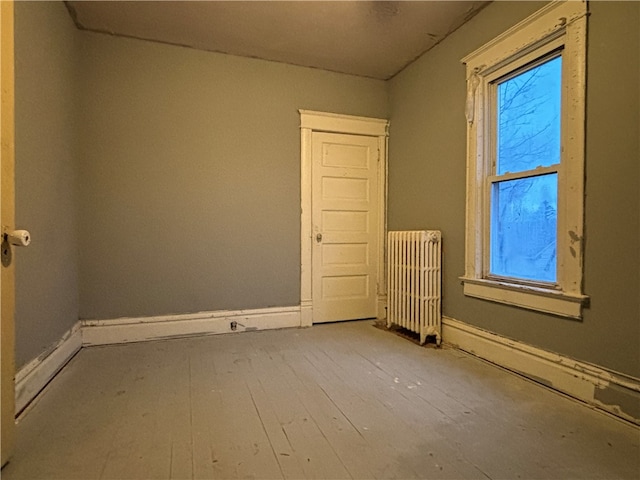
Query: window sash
{"type": "Point", "coordinates": [540, 57]}
{"type": "Point", "coordinates": [490, 229]}
{"type": "Point", "coordinates": [536, 172]}
{"type": "Point", "coordinates": [526, 63]}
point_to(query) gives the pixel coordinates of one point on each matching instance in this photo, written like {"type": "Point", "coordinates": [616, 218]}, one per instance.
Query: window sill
{"type": "Point", "coordinates": [543, 300]}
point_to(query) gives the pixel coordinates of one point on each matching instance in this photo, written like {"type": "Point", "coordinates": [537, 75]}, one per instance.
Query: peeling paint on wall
{"type": "Point", "coordinates": [624, 401]}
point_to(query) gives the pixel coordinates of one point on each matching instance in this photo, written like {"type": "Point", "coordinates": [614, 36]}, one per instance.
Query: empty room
{"type": "Point", "coordinates": [300, 239]}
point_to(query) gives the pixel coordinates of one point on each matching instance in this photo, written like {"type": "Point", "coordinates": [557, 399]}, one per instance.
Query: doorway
{"type": "Point", "coordinates": [343, 217]}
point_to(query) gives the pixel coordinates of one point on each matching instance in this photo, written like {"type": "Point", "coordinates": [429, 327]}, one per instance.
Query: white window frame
{"type": "Point", "coordinates": [560, 24]}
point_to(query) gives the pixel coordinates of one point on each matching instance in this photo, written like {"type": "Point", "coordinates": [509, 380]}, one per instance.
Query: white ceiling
{"type": "Point", "coordinates": [374, 39]}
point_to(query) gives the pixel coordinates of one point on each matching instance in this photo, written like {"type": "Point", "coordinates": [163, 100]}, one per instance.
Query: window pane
{"type": "Point", "coordinates": [528, 122]}
{"type": "Point", "coordinates": [523, 228]}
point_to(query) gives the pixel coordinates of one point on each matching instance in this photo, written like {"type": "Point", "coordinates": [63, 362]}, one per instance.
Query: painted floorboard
{"type": "Point", "coordinates": [334, 401]}
{"type": "Point", "coordinates": [394, 411]}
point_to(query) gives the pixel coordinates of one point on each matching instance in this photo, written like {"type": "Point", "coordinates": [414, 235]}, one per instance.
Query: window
{"type": "Point", "coordinates": [525, 163]}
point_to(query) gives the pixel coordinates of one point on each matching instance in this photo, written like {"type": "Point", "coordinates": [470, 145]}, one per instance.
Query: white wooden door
{"type": "Point", "coordinates": [345, 171]}
{"type": "Point", "coordinates": [7, 154]}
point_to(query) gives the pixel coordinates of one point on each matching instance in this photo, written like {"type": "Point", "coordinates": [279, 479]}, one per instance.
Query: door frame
{"type": "Point", "coordinates": [313, 121]}
{"type": "Point", "coordinates": [7, 214]}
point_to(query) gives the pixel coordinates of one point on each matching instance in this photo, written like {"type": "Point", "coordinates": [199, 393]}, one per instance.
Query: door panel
{"type": "Point", "coordinates": [345, 226]}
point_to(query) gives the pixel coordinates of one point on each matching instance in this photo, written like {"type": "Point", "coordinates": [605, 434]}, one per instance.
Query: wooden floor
{"type": "Point", "coordinates": [342, 400]}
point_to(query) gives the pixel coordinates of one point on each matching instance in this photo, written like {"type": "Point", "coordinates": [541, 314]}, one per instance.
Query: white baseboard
{"type": "Point", "coordinates": [126, 330]}
{"type": "Point", "coordinates": [382, 307]}
{"type": "Point", "coordinates": [306, 313]}
{"type": "Point", "coordinates": [35, 375]}
{"type": "Point", "coordinates": [613, 392]}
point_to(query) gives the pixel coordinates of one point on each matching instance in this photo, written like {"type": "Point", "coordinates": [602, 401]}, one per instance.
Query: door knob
{"type": "Point", "coordinates": [319, 237]}
{"type": "Point", "coordinates": [19, 238]}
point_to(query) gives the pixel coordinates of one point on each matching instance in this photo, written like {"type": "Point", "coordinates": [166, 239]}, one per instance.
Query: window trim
{"type": "Point", "coordinates": [560, 24]}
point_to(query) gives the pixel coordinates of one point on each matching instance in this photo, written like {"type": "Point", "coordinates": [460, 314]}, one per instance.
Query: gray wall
{"type": "Point", "coordinates": [190, 175]}
{"type": "Point", "coordinates": [46, 197]}
{"type": "Point", "coordinates": [427, 181]}
{"type": "Point", "coordinates": [187, 166]}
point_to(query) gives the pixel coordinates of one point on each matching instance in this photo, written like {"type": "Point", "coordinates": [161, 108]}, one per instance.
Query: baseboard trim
{"type": "Point", "coordinates": [382, 307]}
{"type": "Point", "coordinates": [616, 393]}
{"type": "Point", "coordinates": [306, 313]}
{"type": "Point", "coordinates": [143, 329]}
{"type": "Point", "coordinates": [35, 375]}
